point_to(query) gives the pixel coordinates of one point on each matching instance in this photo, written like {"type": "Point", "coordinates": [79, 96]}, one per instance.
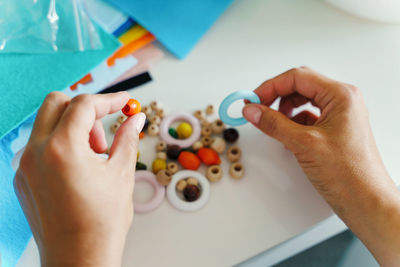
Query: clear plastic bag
{"type": "Point", "coordinates": [46, 26]}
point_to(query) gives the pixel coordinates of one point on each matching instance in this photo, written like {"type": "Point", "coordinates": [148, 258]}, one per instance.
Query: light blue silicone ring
{"type": "Point", "coordinates": [223, 108]}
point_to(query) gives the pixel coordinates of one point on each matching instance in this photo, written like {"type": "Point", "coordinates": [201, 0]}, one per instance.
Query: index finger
{"type": "Point", "coordinates": [81, 114]}
{"type": "Point", "coordinates": [303, 80]}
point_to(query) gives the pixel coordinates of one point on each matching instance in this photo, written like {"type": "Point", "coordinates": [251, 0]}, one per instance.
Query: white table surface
{"type": "Point", "coordinates": [274, 209]}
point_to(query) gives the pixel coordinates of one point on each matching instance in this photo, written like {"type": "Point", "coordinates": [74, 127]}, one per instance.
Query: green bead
{"type": "Point", "coordinates": [140, 166]}
{"type": "Point", "coordinates": [172, 132]}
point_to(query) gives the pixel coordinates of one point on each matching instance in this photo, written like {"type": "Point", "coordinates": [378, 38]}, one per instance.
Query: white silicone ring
{"type": "Point", "coordinates": [182, 205]}
{"type": "Point", "coordinates": [183, 143]}
{"type": "Point", "coordinates": [159, 192]}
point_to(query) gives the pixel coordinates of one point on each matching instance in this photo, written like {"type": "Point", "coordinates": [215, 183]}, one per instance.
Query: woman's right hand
{"type": "Point", "coordinates": [337, 152]}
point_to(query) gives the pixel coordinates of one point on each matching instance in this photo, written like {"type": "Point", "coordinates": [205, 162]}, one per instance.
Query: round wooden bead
{"type": "Point", "coordinates": [234, 154]}
{"type": "Point", "coordinates": [204, 123]}
{"type": "Point", "coordinates": [189, 160]}
{"type": "Point", "coordinates": [140, 166]}
{"type": "Point", "coordinates": [161, 146]}
{"type": "Point", "coordinates": [142, 135]}
{"type": "Point", "coordinates": [158, 165]}
{"type": "Point", "coordinates": [231, 135]}
{"type": "Point", "coordinates": [208, 156]}
{"type": "Point", "coordinates": [153, 129]}
{"type": "Point", "coordinates": [192, 181]}
{"type": "Point", "coordinates": [172, 132]}
{"type": "Point", "coordinates": [184, 130]}
{"type": "Point", "coordinates": [206, 131]}
{"type": "Point", "coordinates": [197, 145]}
{"type": "Point", "coordinates": [218, 144]}
{"type": "Point", "coordinates": [236, 170]}
{"type": "Point", "coordinates": [161, 155]}
{"type": "Point", "coordinates": [164, 177]}
{"type": "Point", "coordinates": [161, 113]}
{"type": "Point", "coordinates": [155, 119]}
{"type": "Point", "coordinates": [206, 140]}
{"type": "Point", "coordinates": [218, 126]}
{"type": "Point", "coordinates": [121, 118]}
{"type": "Point", "coordinates": [199, 114]}
{"type": "Point", "coordinates": [114, 127]}
{"type": "Point", "coordinates": [173, 152]}
{"type": "Point", "coordinates": [214, 173]}
{"type": "Point", "coordinates": [147, 110]}
{"type": "Point", "coordinates": [191, 193]}
{"type": "Point", "coordinates": [131, 108]}
{"type": "Point", "coordinates": [154, 105]}
{"type": "Point", "coordinates": [181, 185]}
{"type": "Point", "coordinates": [173, 167]}
{"type": "Point", "coordinates": [210, 110]}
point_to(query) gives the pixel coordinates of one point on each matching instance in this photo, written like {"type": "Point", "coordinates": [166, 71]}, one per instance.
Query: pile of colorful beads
{"type": "Point", "coordinates": [180, 152]}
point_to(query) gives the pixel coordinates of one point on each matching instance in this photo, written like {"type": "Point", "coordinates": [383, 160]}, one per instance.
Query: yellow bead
{"type": "Point", "coordinates": [158, 165]}
{"type": "Point", "coordinates": [184, 130]}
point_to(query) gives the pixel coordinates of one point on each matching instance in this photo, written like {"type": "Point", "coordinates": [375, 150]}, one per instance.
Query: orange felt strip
{"type": "Point", "coordinates": [130, 48]}
{"type": "Point", "coordinates": [87, 79]}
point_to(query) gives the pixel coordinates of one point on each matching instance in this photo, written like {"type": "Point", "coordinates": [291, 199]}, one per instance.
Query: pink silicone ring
{"type": "Point", "coordinates": [159, 193]}
{"type": "Point", "coordinates": [183, 143]}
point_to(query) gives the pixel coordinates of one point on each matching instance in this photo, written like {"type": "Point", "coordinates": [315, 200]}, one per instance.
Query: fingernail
{"type": "Point", "coordinates": [252, 113]}
{"type": "Point", "coordinates": [140, 120]}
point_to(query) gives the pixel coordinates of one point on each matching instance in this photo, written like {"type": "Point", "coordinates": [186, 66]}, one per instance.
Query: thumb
{"type": "Point", "coordinates": [273, 123]}
{"type": "Point", "coordinates": [125, 145]}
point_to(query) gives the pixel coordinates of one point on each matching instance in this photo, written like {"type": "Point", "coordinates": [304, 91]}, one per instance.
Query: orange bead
{"type": "Point", "coordinates": [189, 160]}
{"type": "Point", "coordinates": [208, 156]}
{"type": "Point", "coordinates": [141, 135]}
{"type": "Point", "coordinates": [131, 108]}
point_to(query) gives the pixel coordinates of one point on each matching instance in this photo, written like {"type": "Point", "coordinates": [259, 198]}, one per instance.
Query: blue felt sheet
{"type": "Point", "coordinates": [177, 24]}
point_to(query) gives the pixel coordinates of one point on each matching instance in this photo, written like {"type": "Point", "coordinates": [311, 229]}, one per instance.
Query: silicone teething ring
{"type": "Point", "coordinates": [223, 108]}
{"type": "Point", "coordinates": [183, 143]}
{"type": "Point", "coordinates": [182, 205]}
{"type": "Point", "coordinates": [159, 193]}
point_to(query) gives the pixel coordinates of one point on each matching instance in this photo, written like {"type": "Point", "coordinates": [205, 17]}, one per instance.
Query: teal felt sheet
{"type": "Point", "coordinates": [25, 79]}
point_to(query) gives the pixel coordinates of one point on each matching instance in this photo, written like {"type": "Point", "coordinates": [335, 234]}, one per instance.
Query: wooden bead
{"type": "Point", "coordinates": [154, 105]}
{"type": "Point", "coordinates": [191, 193]}
{"type": "Point", "coordinates": [231, 135]}
{"type": "Point", "coordinates": [204, 123]}
{"type": "Point", "coordinates": [199, 114]}
{"type": "Point", "coordinates": [121, 118]}
{"type": "Point", "coordinates": [114, 127]}
{"type": "Point", "coordinates": [161, 113]}
{"type": "Point", "coordinates": [206, 140]}
{"type": "Point", "coordinates": [131, 108]}
{"type": "Point", "coordinates": [173, 152]}
{"type": "Point", "coordinates": [173, 167]}
{"type": "Point", "coordinates": [210, 110]}
{"type": "Point", "coordinates": [148, 111]}
{"type": "Point", "coordinates": [197, 145]}
{"type": "Point", "coordinates": [234, 154]}
{"type": "Point", "coordinates": [206, 131]}
{"type": "Point", "coordinates": [214, 173]}
{"type": "Point", "coordinates": [164, 177]}
{"type": "Point", "coordinates": [161, 146]}
{"type": "Point", "coordinates": [236, 170]}
{"type": "Point", "coordinates": [181, 185]}
{"type": "Point", "coordinates": [153, 130]}
{"type": "Point", "coordinates": [155, 119]}
{"type": "Point", "coordinates": [189, 160]}
{"type": "Point", "coordinates": [218, 126]}
{"type": "Point", "coordinates": [192, 181]}
{"type": "Point", "coordinates": [184, 130]}
{"type": "Point", "coordinates": [218, 144]}
{"type": "Point", "coordinates": [161, 155]}
{"type": "Point", "coordinates": [158, 165]}
{"type": "Point", "coordinates": [208, 156]}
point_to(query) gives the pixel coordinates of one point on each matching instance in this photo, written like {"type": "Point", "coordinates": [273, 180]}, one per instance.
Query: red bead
{"type": "Point", "coordinates": [189, 160]}
{"type": "Point", "coordinates": [208, 156]}
{"type": "Point", "coordinates": [132, 107]}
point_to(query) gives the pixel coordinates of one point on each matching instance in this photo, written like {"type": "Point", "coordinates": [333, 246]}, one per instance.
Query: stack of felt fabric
{"type": "Point", "coordinates": [127, 30]}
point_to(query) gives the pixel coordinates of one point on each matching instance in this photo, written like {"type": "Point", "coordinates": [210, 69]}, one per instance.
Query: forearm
{"type": "Point", "coordinates": [370, 207]}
